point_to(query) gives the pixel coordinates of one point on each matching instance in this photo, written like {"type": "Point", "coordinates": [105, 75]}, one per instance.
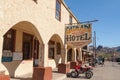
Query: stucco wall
{"type": "Point", "coordinates": [42, 15]}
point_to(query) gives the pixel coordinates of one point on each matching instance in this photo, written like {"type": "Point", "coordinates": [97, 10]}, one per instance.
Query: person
{"type": "Point", "coordinates": [103, 60]}
{"type": "Point", "coordinates": [95, 62]}
{"type": "Point", "coordinates": [113, 60]}
{"type": "Point", "coordinates": [90, 62]}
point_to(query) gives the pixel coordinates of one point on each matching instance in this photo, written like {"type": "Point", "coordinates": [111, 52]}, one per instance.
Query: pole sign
{"type": "Point", "coordinates": [78, 35]}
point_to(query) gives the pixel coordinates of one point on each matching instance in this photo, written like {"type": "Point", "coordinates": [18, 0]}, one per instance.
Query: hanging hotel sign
{"type": "Point", "coordinates": [78, 35]}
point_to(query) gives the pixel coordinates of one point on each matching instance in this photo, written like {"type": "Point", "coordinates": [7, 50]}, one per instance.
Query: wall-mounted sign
{"type": "Point", "coordinates": [7, 56]}
{"type": "Point", "coordinates": [78, 35]}
{"type": "Point", "coordinates": [17, 56]}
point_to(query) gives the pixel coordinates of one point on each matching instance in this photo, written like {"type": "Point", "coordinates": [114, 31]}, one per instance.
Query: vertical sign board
{"type": "Point", "coordinates": [17, 55]}
{"type": "Point", "coordinates": [78, 35]}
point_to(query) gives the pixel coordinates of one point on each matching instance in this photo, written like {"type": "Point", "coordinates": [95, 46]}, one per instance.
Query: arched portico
{"type": "Point", "coordinates": [22, 47]}
{"type": "Point", "coordinates": [55, 51]}
{"type": "Point", "coordinates": [70, 54]}
{"type": "Point", "coordinates": [73, 54]}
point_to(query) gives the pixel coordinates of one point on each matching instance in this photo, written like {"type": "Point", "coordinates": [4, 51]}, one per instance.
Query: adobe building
{"type": "Point", "coordinates": [32, 35]}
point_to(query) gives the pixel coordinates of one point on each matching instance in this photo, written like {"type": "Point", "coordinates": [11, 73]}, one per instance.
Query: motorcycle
{"type": "Point", "coordinates": [87, 70]}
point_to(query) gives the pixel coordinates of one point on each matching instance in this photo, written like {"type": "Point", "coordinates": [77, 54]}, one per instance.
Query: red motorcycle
{"type": "Point", "coordinates": [87, 70]}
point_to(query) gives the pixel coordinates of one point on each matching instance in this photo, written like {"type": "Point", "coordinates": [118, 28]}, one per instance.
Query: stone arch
{"type": "Point", "coordinates": [30, 26]}
{"type": "Point", "coordinates": [55, 50]}
{"type": "Point", "coordinates": [15, 63]}
{"type": "Point", "coordinates": [70, 53]}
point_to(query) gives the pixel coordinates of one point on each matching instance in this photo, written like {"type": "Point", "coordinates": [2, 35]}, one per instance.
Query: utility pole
{"type": "Point", "coordinates": [94, 38]}
{"type": "Point", "coordinates": [94, 44]}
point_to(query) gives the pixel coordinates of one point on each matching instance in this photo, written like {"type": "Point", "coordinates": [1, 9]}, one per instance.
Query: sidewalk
{"type": "Point", "coordinates": [55, 75]}
{"type": "Point", "coordinates": [58, 76]}
{"type": "Point", "coordinates": [110, 71]}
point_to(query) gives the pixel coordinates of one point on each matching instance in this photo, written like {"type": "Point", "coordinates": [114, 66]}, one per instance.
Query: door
{"type": "Point", "coordinates": [27, 46]}
{"type": "Point", "coordinates": [36, 53]}
{"type": "Point", "coordinates": [26, 50]}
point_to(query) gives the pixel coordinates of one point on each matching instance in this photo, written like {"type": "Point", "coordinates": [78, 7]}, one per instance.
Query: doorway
{"type": "Point", "coordinates": [27, 46]}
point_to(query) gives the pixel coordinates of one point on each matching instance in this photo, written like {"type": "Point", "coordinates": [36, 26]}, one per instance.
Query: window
{"type": "Point", "coordinates": [27, 46]}
{"type": "Point", "coordinates": [51, 53]}
{"type": "Point", "coordinates": [77, 54]}
{"type": "Point", "coordinates": [70, 19]}
{"type": "Point", "coordinates": [36, 49]}
{"type": "Point", "coordinates": [9, 41]}
{"type": "Point", "coordinates": [35, 52]}
{"type": "Point", "coordinates": [58, 10]}
{"type": "Point", "coordinates": [58, 48]}
{"type": "Point", "coordinates": [51, 49]}
{"type": "Point", "coordinates": [69, 55]}
{"type": "Point", "coordinates": [35, 1]}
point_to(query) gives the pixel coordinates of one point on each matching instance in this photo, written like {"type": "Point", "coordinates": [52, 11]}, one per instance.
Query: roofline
{"type": "Point", "coordinates": [62, 1]}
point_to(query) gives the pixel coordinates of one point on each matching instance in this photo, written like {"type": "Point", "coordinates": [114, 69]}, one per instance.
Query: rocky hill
{"type": "Point", "coordinates": [107, 51]}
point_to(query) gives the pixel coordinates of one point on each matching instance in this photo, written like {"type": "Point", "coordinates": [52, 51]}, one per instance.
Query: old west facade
{"type": "Point", "coordinates": [32, 34]}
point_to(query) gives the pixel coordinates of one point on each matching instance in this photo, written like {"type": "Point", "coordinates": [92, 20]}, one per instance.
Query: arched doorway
{"type": "Point", "coordinates": [21, 48]}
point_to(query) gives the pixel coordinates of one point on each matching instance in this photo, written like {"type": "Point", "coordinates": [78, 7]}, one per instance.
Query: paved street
{"type": "Point", "coordinates": [111, 71]}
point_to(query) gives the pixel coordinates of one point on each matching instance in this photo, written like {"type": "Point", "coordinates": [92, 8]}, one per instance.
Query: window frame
{"type": "Point", "coordinates": [51, 44]}
{"type": "Point", "coordinates": [35, 1]}
{"type": "Point", "coordinates": [10, 34]}
{"type": "Point", "coordinates": [70, 19]}
{"type": "Point", "coordinates": [30, 55]}
{"type": "Point", "coordinates": [58, 48]}
{"type": "Point", "coordinates": [69, 55]}
{"type": "Point", "coordinates": [58, 11]}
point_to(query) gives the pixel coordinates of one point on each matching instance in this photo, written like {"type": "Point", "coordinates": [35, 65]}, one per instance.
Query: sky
{"type": "Point", "coordinates": [107, 12]}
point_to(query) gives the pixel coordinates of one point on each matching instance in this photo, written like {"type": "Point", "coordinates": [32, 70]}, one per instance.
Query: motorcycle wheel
{"type": "Point", "coordinates": [74, 74]}
{"type": "Point", "coordinates": [90, 72]}
{"type": "Point", "coordinates": [88, 75]}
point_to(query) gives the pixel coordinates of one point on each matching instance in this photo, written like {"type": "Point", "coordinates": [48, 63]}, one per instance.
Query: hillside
{"type": "Point", "coordinates": [107, 51]}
